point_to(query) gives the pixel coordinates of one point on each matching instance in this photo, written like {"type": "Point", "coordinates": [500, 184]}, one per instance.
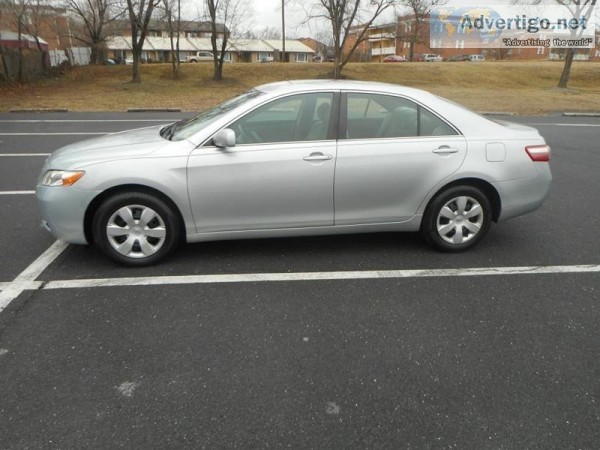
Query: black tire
{"type": "Point", "coordinates": [457, 219]}
{"type": "Point", "coordinates": [144, 228]}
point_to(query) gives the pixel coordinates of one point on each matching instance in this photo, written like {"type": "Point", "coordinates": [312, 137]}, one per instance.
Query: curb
{"type": "Point", "coordinates": [135, 110]}
{"type": "Point", "coordinates": [581, 114]}
{"type": "Point", "coordinates": [40, 110]}
{"type": "Point", "coordinates": [496, 113]}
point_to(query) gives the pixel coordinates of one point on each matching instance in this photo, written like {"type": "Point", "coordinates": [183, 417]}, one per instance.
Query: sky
{"type": "Point", "coordinates": [268, 14]}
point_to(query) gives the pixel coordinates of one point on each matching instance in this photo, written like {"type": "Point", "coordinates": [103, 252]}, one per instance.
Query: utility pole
{"type": "Point", "coordinates": [283, 30]}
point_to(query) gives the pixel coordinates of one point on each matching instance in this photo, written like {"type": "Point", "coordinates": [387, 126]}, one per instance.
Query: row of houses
{"type": "Point", "coordinates": [158, 49]}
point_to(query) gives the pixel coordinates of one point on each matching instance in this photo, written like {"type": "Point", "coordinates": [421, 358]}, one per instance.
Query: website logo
{"type": "Point", "coordinates": [505, 26]}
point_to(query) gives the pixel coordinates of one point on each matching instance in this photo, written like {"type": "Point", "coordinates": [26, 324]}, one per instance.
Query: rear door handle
{"type": "Point", "coordinates": [445, 150]}
{"type": "Point", "coordinates": [317, 157]}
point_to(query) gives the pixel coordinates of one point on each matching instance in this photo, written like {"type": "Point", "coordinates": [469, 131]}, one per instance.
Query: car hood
{"type": "Point", "coordinates": [124, 145]}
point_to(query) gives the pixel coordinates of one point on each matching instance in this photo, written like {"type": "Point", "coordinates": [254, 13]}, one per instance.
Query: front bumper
{"type": "Point", "coordinates": [63, 211]}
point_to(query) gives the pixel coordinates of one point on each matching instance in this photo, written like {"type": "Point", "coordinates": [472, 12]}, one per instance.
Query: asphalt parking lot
{"type": "Point", "coordinates": [370, 341]}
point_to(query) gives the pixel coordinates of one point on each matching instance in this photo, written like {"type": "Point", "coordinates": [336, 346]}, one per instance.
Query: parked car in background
{"type": "Point", "coordinates": [458, 58]}
{"type": "Point", "coordinates": [432, 57]}
{"type": "Point", "coordinates": [278, 161]}
{"type": "Point", "coordinates": [476, 58]}
{"type": "Point", "coordinates": [394, 59]}
{"type": "Point", "coordinates": [200, 56]}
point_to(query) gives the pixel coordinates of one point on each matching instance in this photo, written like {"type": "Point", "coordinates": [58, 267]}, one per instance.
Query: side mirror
{"type": "Point", "coordinates": [224, 138]}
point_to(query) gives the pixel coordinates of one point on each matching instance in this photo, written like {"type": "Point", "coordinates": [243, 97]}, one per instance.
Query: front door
{"type": "Point", "coordinates": [279, 174]}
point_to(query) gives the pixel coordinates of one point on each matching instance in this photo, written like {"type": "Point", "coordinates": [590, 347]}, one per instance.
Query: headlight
{"type": "Point", "coordinates": [61, 177]}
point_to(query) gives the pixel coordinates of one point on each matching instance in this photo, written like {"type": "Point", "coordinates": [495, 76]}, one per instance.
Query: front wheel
{"type": "Point", "coordinates": [135, 229]}
{"type": "Point", "coordinates": [457, 219]}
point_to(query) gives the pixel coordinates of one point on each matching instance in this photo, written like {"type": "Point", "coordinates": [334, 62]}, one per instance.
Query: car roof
{"type": "Point", "coordinates": [323, 85]}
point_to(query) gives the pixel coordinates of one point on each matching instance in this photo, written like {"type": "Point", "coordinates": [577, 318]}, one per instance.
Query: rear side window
{"type": "Point", "coordinates": [372, 116]}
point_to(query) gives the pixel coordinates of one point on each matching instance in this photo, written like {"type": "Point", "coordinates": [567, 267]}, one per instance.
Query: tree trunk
{"type": "Point", "coordinates": [566, 73]}
{"type": "Point", "coordinates": [218, 71]}
{"type": "Point", "coordinates": [21, 73]}
{"type": "Point", "coordinates": [94, 54]}
{"type": "Point", "coordinates": [136, 75]}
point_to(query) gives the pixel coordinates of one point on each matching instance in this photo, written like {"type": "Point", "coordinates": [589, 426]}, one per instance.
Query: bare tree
{"type": "Point", "coordinates": [421, 10]}
{"type": "Point", "coordinates": [140, 12]}
{"type": "Point", "coordinates": [269, 33]}
{"type": "Point", "coordinates": [172, 13]}
{"type": "Point", "coordinates": [225, 16]}
{"type": "Point", "coordinates": [39, 11]}
{"type": "Point", "coordinates": [577, 9]}
{"type": "Point", "coordinates": [343, 16]}
{"type": "Point", "coordinates": [17, 11]}
{"type": "Point", "coordinates": [94, 16]}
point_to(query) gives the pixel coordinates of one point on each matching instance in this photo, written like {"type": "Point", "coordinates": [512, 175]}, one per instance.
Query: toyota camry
{"type": "Point", "coordinates": [297, 158]}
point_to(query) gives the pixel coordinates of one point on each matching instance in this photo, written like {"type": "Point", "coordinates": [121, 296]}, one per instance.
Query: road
{"type": "Point", "coordinates": [384, 344]}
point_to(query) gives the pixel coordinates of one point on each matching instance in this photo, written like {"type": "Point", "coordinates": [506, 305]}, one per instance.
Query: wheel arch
{"type": "Point", "coordinates": [97, 201]}
{"type": "Point", "coordinates": [487, 188]}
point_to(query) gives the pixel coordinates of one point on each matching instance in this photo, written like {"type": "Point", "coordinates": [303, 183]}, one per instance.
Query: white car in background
{"type": "Point", "coordinates": [432, 57]}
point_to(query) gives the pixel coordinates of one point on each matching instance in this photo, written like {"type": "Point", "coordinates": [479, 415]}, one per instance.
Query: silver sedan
{"type": "Point", "coordinates": [294, 159]}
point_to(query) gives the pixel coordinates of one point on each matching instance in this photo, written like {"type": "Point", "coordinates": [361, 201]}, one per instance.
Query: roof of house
{"type": "Point", "coordinates": [291, 45]}
{"type": "Point", "coordinates": [194, 44]}
{"type": "Point", "coordinates": [6, 35]}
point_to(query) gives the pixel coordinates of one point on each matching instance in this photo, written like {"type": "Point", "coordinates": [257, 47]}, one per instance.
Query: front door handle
{"type": "Point", "coordinates": [317, 157]}
{"type": "Point", "coordinates": [445, 150]}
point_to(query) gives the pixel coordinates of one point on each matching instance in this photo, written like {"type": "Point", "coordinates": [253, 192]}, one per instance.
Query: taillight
{"type": "Point", "coordinates": [538, 152]}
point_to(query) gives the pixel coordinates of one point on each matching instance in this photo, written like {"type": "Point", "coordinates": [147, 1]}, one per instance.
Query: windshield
{"type": "Point", "coordinates": [186, 128]}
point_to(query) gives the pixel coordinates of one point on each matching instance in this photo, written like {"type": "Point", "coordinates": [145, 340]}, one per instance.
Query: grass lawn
{"type": "Point", "coordinates": [519, 87]}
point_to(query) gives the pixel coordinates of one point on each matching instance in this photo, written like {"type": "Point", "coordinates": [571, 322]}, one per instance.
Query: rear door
{"type": "Point", "coordinates": [392, 154]}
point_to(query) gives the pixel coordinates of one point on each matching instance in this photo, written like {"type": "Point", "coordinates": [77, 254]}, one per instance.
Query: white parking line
{"type": "Point", "coordinates": [173, 119]}
{"type": "Point", "coordinates": [26, 279]}
{"type": "Point", "coordinates": [23, 154]}
{"type": "Point", "coordinates": [57, 134]}
{"type": "Point", "coordinates": [17, 192]}
{"type": "Point", "coordinates": [318, 276]}
{"type": "Point", "coordinates": [565, 124]}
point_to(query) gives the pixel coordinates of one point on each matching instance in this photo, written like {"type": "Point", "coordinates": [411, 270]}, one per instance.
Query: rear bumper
{"type": "Point", "coordinates": [63, 211]}
{"type": "Point", "coordinates": [524, 195]}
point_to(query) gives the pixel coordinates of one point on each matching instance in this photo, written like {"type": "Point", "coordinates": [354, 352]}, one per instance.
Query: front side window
{"type": "Point", "coordinates": [186, 128]}
{"type": "Point", "coordinates": [384, 116]}
{"type": "Point", "coordinates": [301, 117]}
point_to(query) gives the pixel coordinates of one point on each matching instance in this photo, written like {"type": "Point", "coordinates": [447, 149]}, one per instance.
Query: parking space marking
{"type": "Point", "coordinates": [566, 124]}
{"type": "Point", "coordinates": [23, 154]}
{"type": "Point", "coordinates": [318, 276]}
{"type": "Point", "coordinates": [26, 279]}
{"type": "Point", "coordinates": [58, 134]}
{"type": "Point", "coordinates": [86, 120]}
{"type": "Point", "coordinates": [17, 192]}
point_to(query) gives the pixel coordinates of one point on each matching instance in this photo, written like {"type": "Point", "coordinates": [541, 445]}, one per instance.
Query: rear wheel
{"type": "Point", "coordinates": [135, 229]}
{"type": "Point", "coordinates": [457, 219]}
